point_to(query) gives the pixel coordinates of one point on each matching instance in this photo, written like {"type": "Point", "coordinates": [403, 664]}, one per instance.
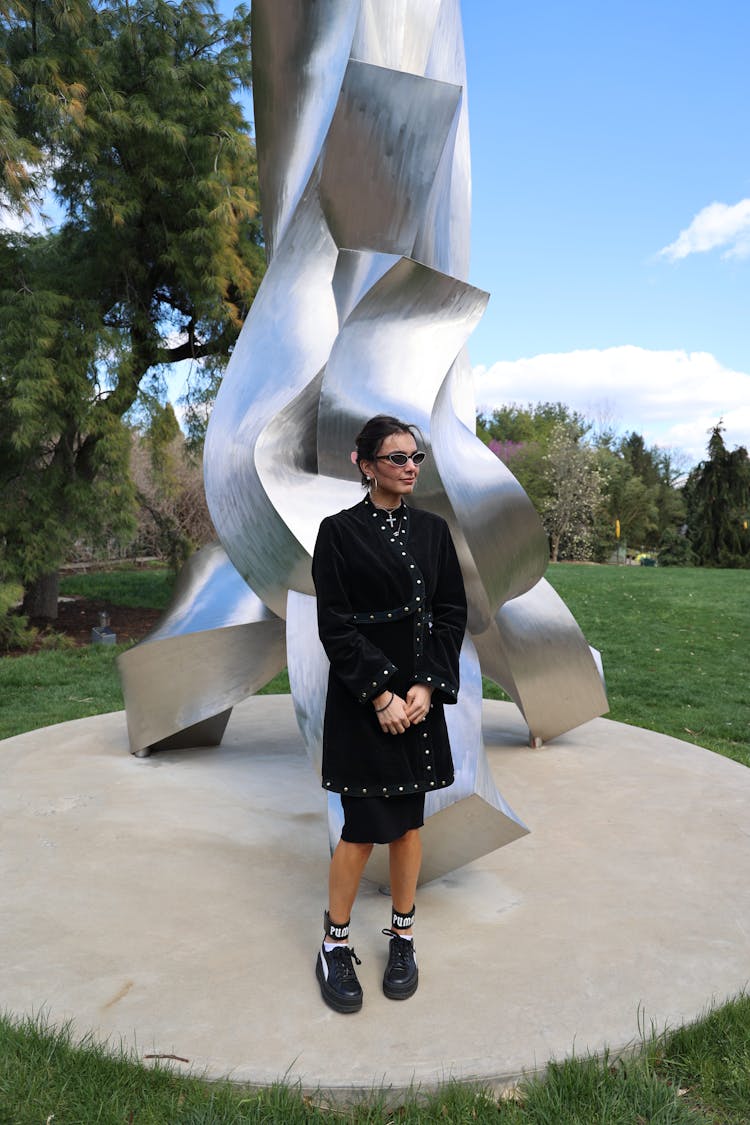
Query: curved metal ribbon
{"type": "Point", "coordinates": [362, 131]}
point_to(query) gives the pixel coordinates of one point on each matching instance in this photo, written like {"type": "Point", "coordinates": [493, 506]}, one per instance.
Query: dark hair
{"type": "Point", "coordinates": [372, 435]}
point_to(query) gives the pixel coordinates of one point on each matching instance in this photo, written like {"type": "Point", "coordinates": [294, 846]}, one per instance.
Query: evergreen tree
{"type": "Point", "coordinates": [130, 109]}
{"type": "Point", "coordinates": [718, 505]}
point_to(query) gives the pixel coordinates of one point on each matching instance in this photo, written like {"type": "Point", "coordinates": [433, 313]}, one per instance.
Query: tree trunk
{"type": "Point", "coordinates": [40, 599]}
{"type": "Point", "coordinates": [555, 545]}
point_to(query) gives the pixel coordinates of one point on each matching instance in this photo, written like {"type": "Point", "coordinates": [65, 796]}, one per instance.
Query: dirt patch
{"type": "Point", "coordinates": [77, 616]}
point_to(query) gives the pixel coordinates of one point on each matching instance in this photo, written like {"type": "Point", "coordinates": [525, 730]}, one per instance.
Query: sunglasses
{"type": "Point", "coordinates": [400, 459]}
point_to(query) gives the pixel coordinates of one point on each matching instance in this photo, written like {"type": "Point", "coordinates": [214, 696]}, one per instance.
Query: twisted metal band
{"type": "Point", "coordinates": [362, 132]}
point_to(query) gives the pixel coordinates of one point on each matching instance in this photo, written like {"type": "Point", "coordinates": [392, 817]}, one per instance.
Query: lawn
{"type": "Point", "coordinates": [672, 643]}
{"type": "Point", "coordinates": [674, 649]}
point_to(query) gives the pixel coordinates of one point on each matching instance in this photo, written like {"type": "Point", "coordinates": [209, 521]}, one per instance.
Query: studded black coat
{"type": "Point", "coordinates": [391, 613]}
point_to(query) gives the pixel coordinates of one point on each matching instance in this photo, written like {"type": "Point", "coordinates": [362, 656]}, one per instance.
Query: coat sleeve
{"type": "Point", "coordinates": [360, 665]}
{"type": "Point", "coordinates": [438, 667]}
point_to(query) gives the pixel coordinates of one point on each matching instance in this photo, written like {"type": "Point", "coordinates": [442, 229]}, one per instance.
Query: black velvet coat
{"type": "Point", "coordinates": [391, 613]}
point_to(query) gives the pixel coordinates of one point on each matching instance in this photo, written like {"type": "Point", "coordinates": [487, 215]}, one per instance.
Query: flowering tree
{"type": "Point", "coordinates": [576, 493]}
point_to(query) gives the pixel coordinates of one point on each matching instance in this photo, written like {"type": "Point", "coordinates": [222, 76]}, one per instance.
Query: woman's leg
{"type": "Point", "coordinates": [401, 976]}
{"type": "Point", "coordinates": [347, 864]}
{"type": "Point", "coordinates": [405, 862]}
{"type": "Point", "coordinates": [334, 969]}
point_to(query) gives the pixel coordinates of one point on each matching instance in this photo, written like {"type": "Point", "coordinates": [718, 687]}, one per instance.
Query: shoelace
{"type": "Point", "coordinates": [343, 956]}
{"type": "Point", "coordinates": [400, 949]}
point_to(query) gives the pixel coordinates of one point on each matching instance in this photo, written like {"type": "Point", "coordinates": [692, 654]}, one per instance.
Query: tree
{"type": "Point", "coordinates": [534, 422]}
{"type": "Point", "coordinates": [576, 484]}
{"type": "Point", "coordinates": [627, 499]}
{"type": "Point", "coordinates": [718, 505]}
{"type": "Point", "coordinates": [173, 517]}
{"type": "Point", "coordinates": [520, 436]}
{"type": "Point", "coordinates": [130, 108]}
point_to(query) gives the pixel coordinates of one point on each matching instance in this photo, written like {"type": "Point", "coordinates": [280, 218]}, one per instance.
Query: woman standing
{"type": "Point", "coordinates": [391, 617]}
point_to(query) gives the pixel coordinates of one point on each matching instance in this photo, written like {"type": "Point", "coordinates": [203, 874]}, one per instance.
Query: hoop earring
{"type": "Point", "coordinates": [374, 484]}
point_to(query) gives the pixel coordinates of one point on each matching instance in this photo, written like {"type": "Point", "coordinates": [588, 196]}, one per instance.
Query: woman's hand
{"type": "Point", "coordinates": [418, 702]}
{"type": "Point", "coordinates": [393, 717]}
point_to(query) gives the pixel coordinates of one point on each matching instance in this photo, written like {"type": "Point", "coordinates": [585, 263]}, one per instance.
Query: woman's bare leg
{"type": "Point", "coordinates": [405, 862]}
{"type": "Point", "coordinates": [347, 864]}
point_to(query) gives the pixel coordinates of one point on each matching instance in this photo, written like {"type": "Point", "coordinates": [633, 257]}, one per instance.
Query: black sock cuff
{"type": "Point", "coordinates": [334, 930]}
{"type": "Point", "coordinates": [402, 921]}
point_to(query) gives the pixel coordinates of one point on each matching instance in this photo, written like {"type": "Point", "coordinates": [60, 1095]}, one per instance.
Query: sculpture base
{"type": "Point", "coordinates": [130, 889]}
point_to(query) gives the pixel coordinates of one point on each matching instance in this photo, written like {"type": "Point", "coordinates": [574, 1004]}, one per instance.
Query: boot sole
{"type": "Point", "coordinates": [344, 1007]}
{"type": "Point", "coordinates": [401, 993]}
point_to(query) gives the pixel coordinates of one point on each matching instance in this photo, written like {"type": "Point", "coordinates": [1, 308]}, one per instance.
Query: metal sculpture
{"type": "Point", "coordinates": [362, 133]}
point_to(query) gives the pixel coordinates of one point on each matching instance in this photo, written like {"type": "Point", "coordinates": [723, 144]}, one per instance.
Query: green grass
{"type": "Point", "coordinates": [40, 689]}
{"type": "Point", "coordinates": [693, 1076]}
{"type": "Point", "coordinates": [133, 586]}
{"type": "Point", "coordinates": [672, 643]}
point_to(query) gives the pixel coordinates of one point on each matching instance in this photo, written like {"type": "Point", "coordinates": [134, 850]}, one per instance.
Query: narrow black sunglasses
{"type": "Point", "coordinates": [416, 458]}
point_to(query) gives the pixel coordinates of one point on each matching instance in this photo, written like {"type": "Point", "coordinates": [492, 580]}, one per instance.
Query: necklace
{"type": "Point", "coordinates": [392, 522]}
{"type": "Point", "coordinates": [388, 514]}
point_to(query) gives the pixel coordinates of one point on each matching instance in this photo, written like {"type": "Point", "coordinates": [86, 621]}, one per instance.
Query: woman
{"type": "Point", "coordinates": [391, 617]}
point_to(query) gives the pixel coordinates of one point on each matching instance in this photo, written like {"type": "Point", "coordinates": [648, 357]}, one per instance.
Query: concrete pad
{"type": "Point", "coordinates": [174, 903]}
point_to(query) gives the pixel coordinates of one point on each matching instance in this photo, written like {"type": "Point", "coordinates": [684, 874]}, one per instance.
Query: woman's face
{"type": "Point", "coordinates": [394, 481]}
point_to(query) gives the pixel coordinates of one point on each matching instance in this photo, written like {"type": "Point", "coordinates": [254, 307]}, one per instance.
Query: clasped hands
{"type": "Point", "coordinates": [396, 716]}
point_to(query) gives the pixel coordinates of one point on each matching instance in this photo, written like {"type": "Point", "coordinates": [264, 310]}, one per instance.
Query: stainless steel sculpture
{"type": "Point", "coordinates": [362, 132]}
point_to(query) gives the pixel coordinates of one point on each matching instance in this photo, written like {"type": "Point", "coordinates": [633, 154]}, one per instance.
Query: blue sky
{"type": "Point", "coordinates": [600, 132]}
{"type": "Point", "coordinates": [611, 226]}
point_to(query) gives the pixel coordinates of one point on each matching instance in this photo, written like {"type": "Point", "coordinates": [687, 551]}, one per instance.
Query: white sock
{"type": "Point", "coordinates": [329, 945]}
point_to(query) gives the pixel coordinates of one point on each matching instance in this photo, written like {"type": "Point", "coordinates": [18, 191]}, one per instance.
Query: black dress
{"type": "Point", "coordinates": [391, 613]}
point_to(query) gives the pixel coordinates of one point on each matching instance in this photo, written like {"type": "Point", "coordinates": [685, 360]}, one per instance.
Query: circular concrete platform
{"type": "Point", "coordinates": [173, 903]}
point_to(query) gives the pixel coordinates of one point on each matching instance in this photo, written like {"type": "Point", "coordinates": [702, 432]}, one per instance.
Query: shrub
{"type": "Point", "coordinates": [14, 627]}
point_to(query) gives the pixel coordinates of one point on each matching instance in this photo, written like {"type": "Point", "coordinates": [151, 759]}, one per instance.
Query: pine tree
{"type": "Point", "coordinates": [131, 111]}
{"type": "Point", "coordinates": [718, 505]}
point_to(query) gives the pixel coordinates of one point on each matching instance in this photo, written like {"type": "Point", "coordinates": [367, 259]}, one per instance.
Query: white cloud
{"type": "Point", "coordinates": [673, 398]}
{"type": "Point", "coordinates": [719, 224]}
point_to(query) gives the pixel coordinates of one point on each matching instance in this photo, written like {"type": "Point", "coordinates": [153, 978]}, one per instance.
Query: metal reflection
{"type": "Point", "coordinates": [216, 644]}
{"type": "Point", "coordinates": [362, 132]}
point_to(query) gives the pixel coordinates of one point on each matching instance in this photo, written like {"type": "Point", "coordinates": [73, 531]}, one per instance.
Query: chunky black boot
{"type": "Point", "coordinates": [339, 986]}
{"type": "Point", "coordinates": [401, 975]}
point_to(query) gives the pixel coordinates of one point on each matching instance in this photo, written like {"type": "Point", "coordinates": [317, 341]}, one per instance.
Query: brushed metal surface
{"type": "Point", "coordinates": [363, 146]}
{"type": "Point", "coordinates": [215, 644]}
